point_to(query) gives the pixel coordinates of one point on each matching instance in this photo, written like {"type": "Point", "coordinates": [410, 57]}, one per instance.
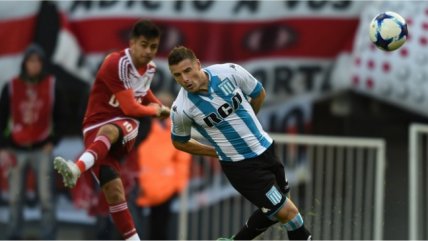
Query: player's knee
{"type": "Point", "coordinates": [287, 212]}
{"type": "Point", "coordinates": [114, 192]}
{"type": "Point", "coordinates": [111, 131]}
{"type": "Point", "coordinates": [114, 196]}
{"type": "Point", "coordinates": [111, 185]}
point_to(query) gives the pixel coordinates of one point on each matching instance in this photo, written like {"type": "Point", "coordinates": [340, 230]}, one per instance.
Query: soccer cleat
{"type": "Point", "coordinates": [68, 170]}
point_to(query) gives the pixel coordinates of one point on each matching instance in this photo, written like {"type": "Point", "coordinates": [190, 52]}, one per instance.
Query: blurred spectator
{"type": "Point", "coordinates": [30, 123]}
{"type": "Point", "coordinates": [164, 173]}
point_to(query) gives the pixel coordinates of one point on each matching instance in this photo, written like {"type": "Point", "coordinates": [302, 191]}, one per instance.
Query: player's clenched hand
{"type": "Point", "coordinates": [161, 110]}
{"type": "Point", "coordinates": [164, 111]}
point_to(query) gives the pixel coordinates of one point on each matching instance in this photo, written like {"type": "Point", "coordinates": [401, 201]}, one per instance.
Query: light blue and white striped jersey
{"type": "Point", "coordinates": [223, 115]}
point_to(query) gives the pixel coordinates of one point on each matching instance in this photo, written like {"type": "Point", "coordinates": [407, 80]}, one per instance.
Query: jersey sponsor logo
{"type": "Point", "coordinates": [115, 103]}
{"type": "Point", "coordinates": [30, 107]}
{"type": "Point", "coordinates": [274, 196]}
{"type": "Point", "coordinates": [227, 87]}
{"type": "Point", "coordinates": [223, 111]}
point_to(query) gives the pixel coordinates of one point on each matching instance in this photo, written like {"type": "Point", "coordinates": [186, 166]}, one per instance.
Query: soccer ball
{"type": "Point", "coordinates": [388, 31]}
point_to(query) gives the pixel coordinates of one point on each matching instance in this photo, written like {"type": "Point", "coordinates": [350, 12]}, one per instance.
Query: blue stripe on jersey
{"type": "Point", "coordinates": [227, 130]}
{"type": "Point", "coordinates": [256, 90]}
{"type": "Point", "coordinates": [245, 116]}
{"type": "Point", "coordinates": [230, 133]}
{"type": "Point", "coordinates": [205, 134]}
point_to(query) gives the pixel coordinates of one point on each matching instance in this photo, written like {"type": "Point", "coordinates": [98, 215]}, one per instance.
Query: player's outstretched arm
{"type": "Point", "coordinates": [131, 107]}
{"type": "Point", "coordinates": [195, 148]}
{"type": "Point", "coordinates": [150, 97]}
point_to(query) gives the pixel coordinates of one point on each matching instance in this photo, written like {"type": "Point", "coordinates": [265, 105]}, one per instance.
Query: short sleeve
{"type": "Point", "coordinates": [181, 124]}
{"type": "Point", "coordinates": [109, 73]}
{"type": "Point", "coordinates": [249, 85]}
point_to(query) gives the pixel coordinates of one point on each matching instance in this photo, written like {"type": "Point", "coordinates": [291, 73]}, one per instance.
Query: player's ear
{"type": "Point", "coordinates": [198, 63]}
{"type": "Point", "coordinates": [131, 41]}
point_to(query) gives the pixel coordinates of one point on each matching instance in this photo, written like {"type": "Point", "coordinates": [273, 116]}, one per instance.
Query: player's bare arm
{"type": "Point", "coordinates": [165, 111]}
{"type": "Point", "coordinates": [195, 148]}
{"type": "Point", "coordinates": [257, 102]}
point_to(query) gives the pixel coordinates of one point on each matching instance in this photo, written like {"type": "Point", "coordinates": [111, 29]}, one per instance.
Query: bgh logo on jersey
{"type": "Point", "coordinates": [223, 111]}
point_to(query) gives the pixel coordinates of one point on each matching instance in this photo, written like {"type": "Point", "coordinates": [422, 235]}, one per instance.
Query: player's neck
{"type": "Point", "coordinates": [140, 67]}
{"type": "Point", "coordinates": [205, 82]}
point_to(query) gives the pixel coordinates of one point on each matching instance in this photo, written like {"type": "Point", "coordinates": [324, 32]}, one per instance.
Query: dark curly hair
{"type": "Point", "coordinates": [179, 54]}
{"type": "Point", "coordinates": [145, 28]}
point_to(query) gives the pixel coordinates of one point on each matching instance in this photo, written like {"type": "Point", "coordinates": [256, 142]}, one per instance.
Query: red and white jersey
{"type": "Point", "coordinates": [117, 73]}
{"type": "Point", "coordinates": [31, 106]}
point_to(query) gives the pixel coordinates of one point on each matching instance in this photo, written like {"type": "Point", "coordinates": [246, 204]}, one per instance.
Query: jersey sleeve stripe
{"type": "Point", "coordinates": [256, 90]}
{"type": "Point", "coordinates": [180, 138]}
{"type": "Point", "coordinates": [123, 67]}
{"type": "Point", "coordinates": [121, 72]}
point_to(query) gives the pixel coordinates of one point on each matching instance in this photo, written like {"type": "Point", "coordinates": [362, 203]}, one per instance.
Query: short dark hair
{"type": "Point", "coordinates": [145, 28]}
{"type": "Point", "coordinates": [179, 54]}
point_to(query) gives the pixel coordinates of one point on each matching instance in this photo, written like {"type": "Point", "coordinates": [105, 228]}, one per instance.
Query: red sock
{"type": "Point", "coordinates": [123, 219]}
{"type": "Point", "coordinates": [81, 165]}
{"type": "Point", "coordinates": [100, 147]}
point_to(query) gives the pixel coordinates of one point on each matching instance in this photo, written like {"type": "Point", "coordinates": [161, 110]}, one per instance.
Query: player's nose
{"type": "Point", "coordinates": [186, 79]}
{"type": "Point", "coordinates": [149, 51]}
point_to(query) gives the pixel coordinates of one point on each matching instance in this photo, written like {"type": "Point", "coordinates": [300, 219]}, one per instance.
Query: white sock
{"type": "Point", "coordinates": [134, 237]}
{"type": "Point", "coordinates": [88, 159]}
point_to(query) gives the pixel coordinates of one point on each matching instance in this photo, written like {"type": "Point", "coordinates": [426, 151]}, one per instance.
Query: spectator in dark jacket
{"type": "Point", "coordinates": [30, 123]}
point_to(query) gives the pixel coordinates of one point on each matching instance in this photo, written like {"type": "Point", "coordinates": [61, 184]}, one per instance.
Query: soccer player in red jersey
{"type": "Point", "coordinates": [120, 94]}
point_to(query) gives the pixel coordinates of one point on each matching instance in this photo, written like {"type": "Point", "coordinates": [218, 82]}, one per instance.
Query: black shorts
{"type": "Point", "coordinates": [260, 179]}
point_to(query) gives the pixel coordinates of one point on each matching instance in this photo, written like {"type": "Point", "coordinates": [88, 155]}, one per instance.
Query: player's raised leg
{"type": "Point", "coordinates": [98, 149]}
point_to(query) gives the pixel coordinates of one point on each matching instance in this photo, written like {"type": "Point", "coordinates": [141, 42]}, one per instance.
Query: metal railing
{"type": "Point", "coordinates": [418, 181]}
{"type": "Point", "coordinates": [337, 183]}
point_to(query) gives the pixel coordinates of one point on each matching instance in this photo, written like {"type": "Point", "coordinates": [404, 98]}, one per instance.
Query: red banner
{"type": "Point", "coordinates": [229, 41]}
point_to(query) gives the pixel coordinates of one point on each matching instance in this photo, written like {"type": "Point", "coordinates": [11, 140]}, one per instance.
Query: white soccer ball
{"type": "Point", "coordinates": [388, 31]}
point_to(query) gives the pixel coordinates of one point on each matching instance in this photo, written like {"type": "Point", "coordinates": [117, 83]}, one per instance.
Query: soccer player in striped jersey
{"type": "Point", "coordinates": [221, 102]}
{"type": "Point", "coordinates": [120, 94]}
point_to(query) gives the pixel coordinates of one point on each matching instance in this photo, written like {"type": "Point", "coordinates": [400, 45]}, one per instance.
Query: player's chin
{"type": "Point", "coordinates": [191, 90]}
{"type": "Point", "coordinates": [145, 60]}
{"type": "Point", "coordinates": [190, 87]}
